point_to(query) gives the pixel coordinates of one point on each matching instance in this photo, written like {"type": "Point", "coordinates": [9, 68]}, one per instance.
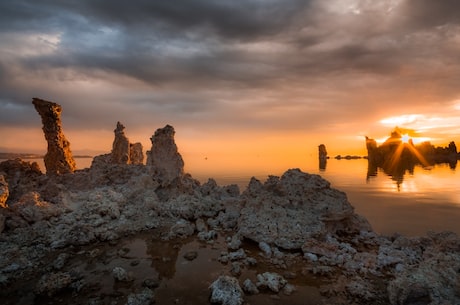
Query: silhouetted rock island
{"type": "Point", "coordinates": [63, 237]}
{"type": "Point", "coordinates": [398, 155]}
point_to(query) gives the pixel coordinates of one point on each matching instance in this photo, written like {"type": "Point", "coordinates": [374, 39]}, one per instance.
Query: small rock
{"type": "Point", "coordinates": [236, 269]}
{"type": "Point", "coordinates": [145, 297]}
{"type": "Point", "coordinates": [191, 255]}
{"type": "Point", "coordinates": [288, 289]}
{"type": "Point", "coordinates": [201, 225]}
{"type": "Point", "coordinates": [265, 248]}
{"type": "Point", "coordinates": [60, 261]}
{"type": "Point", "coordinates": [249, 287]}
{"type": "Point", "coordinates": [135, 262]}
{"type": "Point", "coordinates": [271, 280]}
{"type": "Point", "coordinates": [226, 291]}
{"type": "Point", "coordinates": [207, 236]}
{"type": "Point", "coordinates": [251, 261]}
{"type": "Point", "coordinates": [151, 282]}
{"type": "Point", "coordinates": [240, 254]}
{"type": "Point", "coordinates": [234, 243]}
{"type": "Point", "coordinates": [121, 275]}
{"type": "Point", "coordinates": [311, 257]}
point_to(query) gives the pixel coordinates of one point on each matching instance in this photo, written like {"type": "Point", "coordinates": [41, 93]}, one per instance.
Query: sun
{"type": "Point", "coordinates": [405, 138]}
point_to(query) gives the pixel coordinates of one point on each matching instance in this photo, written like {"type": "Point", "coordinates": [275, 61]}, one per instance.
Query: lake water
{"type": "Point", "coordinates": [425, 200]}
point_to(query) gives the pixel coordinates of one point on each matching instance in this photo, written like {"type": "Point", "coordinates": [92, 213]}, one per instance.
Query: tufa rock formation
{"type": "Point", "coordinates": [163, 159]}
{"type": "Point", "coordinates": [322, 157]}
{"type": "Point", "coordinates": [58, 159]}
{"type": "Point", "coordinates": [124, 152]}
{"type": "Point", "coordinates": [120, 146]}
{"type": "Point", "coordinates": [322, 152]}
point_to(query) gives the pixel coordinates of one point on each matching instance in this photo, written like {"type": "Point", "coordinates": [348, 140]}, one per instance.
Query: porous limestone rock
{"type": "Point", "coordinates": [3, 191]}
{"type": "Point", "coordinates": [288, 211]}
{"type": "Point", "coordinates": [226, 291]}
{"type": "Point", "coordinates": [163, 159]}
{"type": "Point", "coordinates": [58, 159]}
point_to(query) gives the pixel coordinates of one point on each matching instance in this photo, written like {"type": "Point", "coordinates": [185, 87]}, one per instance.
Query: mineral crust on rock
{"type": "Point", "coordinates": [58, 159]}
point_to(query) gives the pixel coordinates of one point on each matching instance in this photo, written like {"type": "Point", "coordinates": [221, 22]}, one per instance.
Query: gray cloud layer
{"type": "Point", "coordinates": [248, 63]}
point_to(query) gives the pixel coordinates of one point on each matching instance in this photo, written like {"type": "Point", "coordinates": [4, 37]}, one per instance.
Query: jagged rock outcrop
{"type": "Point", "coordinates": [288, 211]}
{"type": "Point", "coordinates": [58, 159]}
{"type": "Point", "coordinates": [124, 152]}
{"type": "Point", "coordinates": [164, 160]}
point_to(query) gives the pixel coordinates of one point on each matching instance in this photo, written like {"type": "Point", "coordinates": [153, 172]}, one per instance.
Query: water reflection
{"type": "Point", "coordinates": [398, 169]}
{"type": "Point", "coordinates": [399, 155]}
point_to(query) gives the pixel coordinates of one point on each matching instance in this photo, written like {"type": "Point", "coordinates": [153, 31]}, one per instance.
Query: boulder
{"type": "Point", "coordinates": [290, 210]}
{"type": "Point", "coordinates": [58, 159]}
{"type": "Point", "coordinates": [164, 160]}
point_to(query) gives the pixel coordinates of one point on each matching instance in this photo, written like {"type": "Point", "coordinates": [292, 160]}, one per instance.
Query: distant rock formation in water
{"type": "Point", "coordinates": [396, 156]}
{"type": "Point", "coordinates": [322, 152]}
{"type": "Point", "coordinates": [322, 157]}
{"type": "Point", "coordinates": [58, 159]}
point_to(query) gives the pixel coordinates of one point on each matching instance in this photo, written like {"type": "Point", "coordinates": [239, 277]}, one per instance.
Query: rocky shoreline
{"type": "Point", "coordinates": [64, 234]}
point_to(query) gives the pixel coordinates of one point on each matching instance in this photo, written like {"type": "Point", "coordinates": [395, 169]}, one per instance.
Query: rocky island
{"type": "Point", "coordinates": [72, 236]}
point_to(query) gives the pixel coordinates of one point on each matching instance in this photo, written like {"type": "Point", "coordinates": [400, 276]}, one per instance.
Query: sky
{"type": "Point", "coordinates": [239, 76]}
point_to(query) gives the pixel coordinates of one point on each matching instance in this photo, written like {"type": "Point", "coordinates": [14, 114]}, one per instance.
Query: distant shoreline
{"type": "Point", "coordinates": [4, 155]}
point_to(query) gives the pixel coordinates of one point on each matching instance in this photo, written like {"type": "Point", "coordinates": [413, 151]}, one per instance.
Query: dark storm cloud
{"type": "Point", "coordinates": [428, 13]}
{"type": "Point", "coordinates": [211, 61]}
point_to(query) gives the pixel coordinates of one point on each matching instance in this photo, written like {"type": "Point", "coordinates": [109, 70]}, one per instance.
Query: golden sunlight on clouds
{"type": "Point", "coordinates": [401, 119]}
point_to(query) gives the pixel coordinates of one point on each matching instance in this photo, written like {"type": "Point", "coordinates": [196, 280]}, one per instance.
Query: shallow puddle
{"type": "Point", "coordinates": [167, 268]}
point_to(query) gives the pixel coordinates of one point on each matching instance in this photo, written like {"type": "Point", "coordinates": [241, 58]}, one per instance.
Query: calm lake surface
{"type": "Point", "coordinates": [426, 200]}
